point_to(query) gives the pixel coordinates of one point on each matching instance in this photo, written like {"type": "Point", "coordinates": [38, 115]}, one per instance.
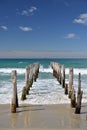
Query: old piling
{"type": "Point", "coordinates": [70, 81]}
{"type": "Point", "coordinates": [78, 104]}
{"type": "Point", "coordinates": [59, 72]}
{"type": "Point", "coordinates": [66, 89]}
{"type": "Point", "coordinates": [79, 96]}
{"type": "Point", "coordinates": [72, 94]}
{"type": "Point", "coordinates": [79, 83]}
{"type": "Point", "coordinates": [30, 76]}
{"type": "Point", "coordinates": [26, 88]}
{"type": "Point", "coordinates": [54, 66]}
{"type": "Point", "coordinates": [56, 71]}
{"type": "Point", "coordinates": [27, 81]}
{"type": "Point", "coordinates": [30, 79]}
{"type": "Point", "coordinates": [63, 76]}
{"type": "Point", "coordinates": [14, 103]}
{"type": "Point", "coordinates": [27, 75]}
{"type": "Point", "coordinates": [73, 98]}
{"type": "Point", "coordinates": [23, 97]}
{"type": "Point", "coordinates": [35, 71]}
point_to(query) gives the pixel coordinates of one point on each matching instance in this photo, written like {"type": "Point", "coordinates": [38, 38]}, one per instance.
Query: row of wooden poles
{"type": "Point", "coordinates": [59, 73]}
{"type": "Point", "coordinates": [30, 76]}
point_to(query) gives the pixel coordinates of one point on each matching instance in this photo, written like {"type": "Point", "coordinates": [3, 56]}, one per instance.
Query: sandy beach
{"type": "Point", "coordinates": [43, 117]}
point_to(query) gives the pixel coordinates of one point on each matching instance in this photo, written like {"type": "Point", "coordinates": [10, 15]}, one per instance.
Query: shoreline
{"type": "Point", "coordinates": [43, 117]}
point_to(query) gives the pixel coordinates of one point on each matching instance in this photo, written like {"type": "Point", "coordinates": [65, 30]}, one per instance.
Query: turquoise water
{"type": "Point", "coordinates": [46, 90]}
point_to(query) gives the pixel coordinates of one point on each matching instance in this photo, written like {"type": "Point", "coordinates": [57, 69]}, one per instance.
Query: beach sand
{"type": "Point", "coordinates": [42, 117]}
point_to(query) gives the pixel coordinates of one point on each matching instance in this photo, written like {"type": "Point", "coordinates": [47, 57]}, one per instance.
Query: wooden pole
{"type": "Point", "coordinates": [70, 81]}
{"type": "Point", "coordinates": [35, 71]}
{"type": "Point", "coordinates": [79, 96]}
{"type": "Point", "coordinates": [23, 97]}
{"type": "Point", "coordinates": [55, 67]}
{"type": "Point", "coordinates": [73, 98]}
{"type": "Point", "coordinates": [27, 75]}
{"type": "Point", "coordinates": [63, 76]}
{"type": "Point", "coordinates": [66, 89]}
{"type": "Point", "coordinates": [79, 83]}
{"type": "Point", "coordinates": [27, 81]}
{"type": "Point", "coordinates": [59, 74]}
{"type": "Point", "coordinates": [31, 76]}
{"type": "Point", "coordinates": [14, 103]}
{"type": "Point", "coordinates": [78, 105]}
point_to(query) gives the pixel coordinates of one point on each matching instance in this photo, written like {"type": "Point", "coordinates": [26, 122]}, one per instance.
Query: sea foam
{"type": "Point", "coordinates": [42, 69]}
{"type": "Point", "coordinates": [44, 91]}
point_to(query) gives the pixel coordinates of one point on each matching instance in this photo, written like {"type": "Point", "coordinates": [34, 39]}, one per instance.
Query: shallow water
{"type": "Point", "coordinates": [47, 89]}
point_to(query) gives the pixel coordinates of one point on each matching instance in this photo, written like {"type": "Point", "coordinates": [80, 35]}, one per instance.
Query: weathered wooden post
{"type": "Point", "coordinates": [79, 83]}
{"type": "Point", "coordinates": [30, 79]}
{"type": "Point", "coordinates": [27, 75]}
{"type": "Point", "coordinates": [35, 71]}
{"type": "Point", "coordinates": [73, 98]}
{"type": "Point", "coordinates": [79, 96]}
{"type": "Point", "coordinates": [70, 81]}
{"type": "Point", "coordinates": [66, 89]}
{"type": "Point", "coordinates": [25, 90]}
{"type": "Point", "coordinates": [14, 103]}
{"type": "Point", "coordinates": [59, 72]}
{"type": "Point", "coordinates": [63, 76]}
{"type": "Point", "coordinates": [31, 76]}
{"type": "Point", "coordinates": [55, 69]}
{"type": "Point", "coordinates": [35, 74]}
{"type": "Point", "coordinates": [27, 80]}
{"type": "Point", "coordinates": [78, 104]}
{"type": "Point", "coordinates": [23, 97]}
{"type": "Point", "coordinates": [54, 66]}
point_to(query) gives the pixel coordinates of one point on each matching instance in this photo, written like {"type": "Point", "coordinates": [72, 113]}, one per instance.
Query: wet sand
{"type": "Point", "coordinates": [42, 117]}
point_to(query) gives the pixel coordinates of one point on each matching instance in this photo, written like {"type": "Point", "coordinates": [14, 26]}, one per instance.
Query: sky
{"type": "Point", "coordinates": [43, 28]}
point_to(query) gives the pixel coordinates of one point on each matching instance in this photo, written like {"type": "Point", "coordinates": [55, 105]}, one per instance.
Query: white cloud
{"type": "Point", "coordinates": [25, 12]}
{"type": "Point", "coordinates": [82, 19]}
{"type": "Point", "coordinates": [28, 12]}
{"type": "Point", "coordinates": [25, 29]}
{"type": "Point", "coordinates": [4, 27]}
{"type": "Point", "coordinates": [32, 9]}
{"type": "Point", "coordinates": [71, 36]}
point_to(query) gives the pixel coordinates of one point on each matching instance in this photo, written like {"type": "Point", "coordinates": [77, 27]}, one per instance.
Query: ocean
{"type": "Point", "coordinates": [46, 90]}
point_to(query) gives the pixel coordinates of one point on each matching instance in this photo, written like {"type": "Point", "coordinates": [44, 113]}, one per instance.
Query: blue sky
{"type": "Point", "coordinates": [43, 28]}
